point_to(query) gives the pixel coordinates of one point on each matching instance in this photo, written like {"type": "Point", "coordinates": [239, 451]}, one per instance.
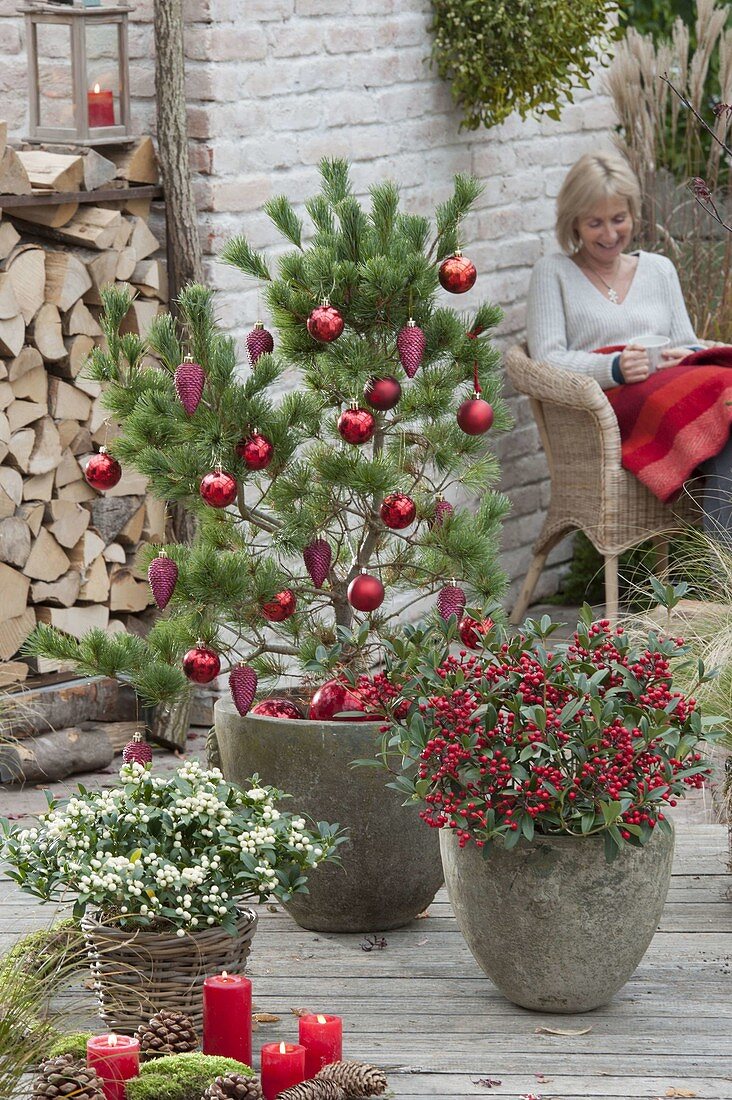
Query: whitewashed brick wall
{"type": "Point", "coordinates": [274, 85]}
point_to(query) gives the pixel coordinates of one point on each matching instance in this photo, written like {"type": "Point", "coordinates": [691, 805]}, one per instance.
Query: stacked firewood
{"type": "Point", "coordinates": [66, 552]}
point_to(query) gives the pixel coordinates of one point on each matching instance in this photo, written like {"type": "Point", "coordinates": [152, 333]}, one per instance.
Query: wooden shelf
{"type": "Point", "coordinates": [104, 194]}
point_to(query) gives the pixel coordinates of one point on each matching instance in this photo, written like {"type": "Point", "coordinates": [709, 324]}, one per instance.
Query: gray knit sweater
{"type": "Point", "coordinates": [567, 316]}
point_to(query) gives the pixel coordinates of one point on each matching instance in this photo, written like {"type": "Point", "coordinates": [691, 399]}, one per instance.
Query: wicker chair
{"type": "Point", "coordinates": [590, 490]}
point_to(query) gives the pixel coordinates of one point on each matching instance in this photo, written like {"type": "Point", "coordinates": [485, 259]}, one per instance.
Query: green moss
{"type": "Point", "coordinates": [75, 1043]}
{"type": "Point", "coordinates": [180, 1076]}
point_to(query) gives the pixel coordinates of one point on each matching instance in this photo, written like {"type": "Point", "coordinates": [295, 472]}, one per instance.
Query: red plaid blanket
{"type": "Point", "coordinates": [675, 420]}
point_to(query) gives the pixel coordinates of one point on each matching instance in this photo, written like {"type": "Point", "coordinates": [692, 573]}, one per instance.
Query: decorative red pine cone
{"type": "Point", "coordinates": [325, 323]}
{"type": "Point", "coordinates": [365, 592]}
{"type": "Point", "coordinates": [255, 452]}
{"type": "Point", "coordinates": [278, 708]}
{"type": "Point", "coordinates": [472, 630]}
{"type": "Point", "coordinates": [356, 425]}
{"type": "Point", "coordinates": [398, 511]}
{"type": "Point", "coordinates": [382, 393]}
{"type": "Point", "coordinates": [218, 489]}
{"type": "Point", "coordinates": [102, 470]}
{"type": "Point", "coordinates": [243, 687]}
{"type": "Point", "coordinates": [201, 664]}
{"type": "Point", "coordinates": [317, 556]}
{"type": "Point", "coordinates": [451, 601]}
{"type": "Point", "coordinates": [137, 751]}
{"type": "Point", "coordinates": [457, 273]}
{"type": "Point", "coordinates": [189, 380]}
{"type": "Point", "coordinates": [259, 342]}
{"type": "Point", "coordinates": [162, 575]}
{"type": "Point", "coordinates": [280, 607]}
{"type": "Point", "coordinates": [331, 699]}
{"type": "Point", "coordinates": [411, 344]}
{"type": "Point", "coordinates": [475, 415]}
{"type": "Point", "coordinates": [443, 509]}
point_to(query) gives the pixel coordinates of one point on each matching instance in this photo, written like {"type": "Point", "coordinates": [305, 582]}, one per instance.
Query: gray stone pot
{"type": "Point", "coordinates": [552, 924]}
{"type": "Point", "coordinates": [390, 865]}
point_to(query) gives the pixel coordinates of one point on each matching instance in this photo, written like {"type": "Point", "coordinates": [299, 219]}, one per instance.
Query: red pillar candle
{"type": "Point", "coordinates": [101, 106]}
{"type": "Point", "coordinates": [116, 1058]}
{"type": "Point", "coordinates": [322, 1037]}
{"type": "Point", "coordinates": [283, 1066]}
{"type": "Point", "coordinates": [227, 1017]}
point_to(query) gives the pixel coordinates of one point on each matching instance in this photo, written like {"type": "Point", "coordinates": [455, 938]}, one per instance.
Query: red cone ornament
{"type": "Point", "coordinates": [325, 323]}
{"type": "Point", "coordinates": [451, 601]}
{"type": "Point", "coordinates": [457, 273]}
{"type": "Point", "coordinates": [411, 344]}
{"type": "Point", "coordinates": [475, 415]}
{"type": "Point", "coordinates": [443, 508]}
{"type": "Point", "coordinates": [137, 751]}
{"type": "Point", "coordinates": [365, 592]}
{"type": "Point", "coordinates": [331, 699]}
{"type": "Point", "coordinates": [278, 708]}
{"type": "Point", "coordinates": [243, 687]}
{"type": "Point", "coordinates": [398, 511]}
{"type": "Point", "coordinates": [472, 630]}
{"type": "Point", "coordinates": [317, 556]}
{"type": "Point", "coordinates": [202, 664]}
{"type": "Point", "coordinates": [280, 607]}
{"type": "Point", "coordinates": [102, 471]}
{"type": "Point", "coordinates": [255, 452]}
{"type": "Point", "coordinates": [259, 342]}
{"type": "Point", "coordinates": [218, 489]}
{"type": "Point", "coordinates": [189, 381]}
{"type": "Point", "coordinates": [162, 576]}
{"type": "Point", "coordinates": [382, 393]}
{"type": "Point", "coordinates": [356, 425]}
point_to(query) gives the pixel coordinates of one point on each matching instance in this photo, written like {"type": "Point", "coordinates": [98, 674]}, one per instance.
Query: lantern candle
{"type": "Point", "coordinates": [101, 106]}
{"type": "Point", "coordinates": [227, 1017]}
{"type": "Point", "coordinates": [283, 1067]}
{"type": "Point", "coordinates": [116, 1058]}
{"type": "Point", "coordinates": [322, 1037]}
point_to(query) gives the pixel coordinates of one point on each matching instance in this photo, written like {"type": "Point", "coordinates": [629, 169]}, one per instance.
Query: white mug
{"type": "Point", "coordinates": [654, 346]}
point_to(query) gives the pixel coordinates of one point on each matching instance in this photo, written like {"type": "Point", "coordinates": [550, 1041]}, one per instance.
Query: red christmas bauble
{"type": "Point", "coordinates": [332, 698]}
{"type": "Point", "coordinates": [280, 607]}
{"type": "Point", "coordinates": [443, 509]}
{"type": "Point", "coordinates": [278, 708]}
{"type": "Point", "coordinates": [218, 489]}
{"type": "Point", "coordinates": [365, 592]}
{"type": "Point", "coordinates": [325, 323]}
{"type": "Point", "coordinates": [255, 452]}
{"type": "Point", "coordinates": [475, 415]}
{"type": "Point", "coordinates": [137, 751]}
{"type": "Point", "coordinates": [162, 576]}
{"type": "Point", "coordinates": [202, 664]}
{"type": "Point", "coordinates": [457, 273]}
{"type": "Point", "coordinates": [243, 686]}
{"type": "Point", "coordinates": [317, 556]}
{"type": "Point", "coordinates": [382, 393]}
{"type": "Point", "coordinates": [259, 342]}
{"type": "Point", "coordinates": [356, 425]}
{"type": "Point", "coordinates": [102, 471]}
{"type": "Point", "coordinates": [189, 380]}
{"type": "Point", "coordinates": [472, 630]}
{"type": "Point", "coordinates": [398, 511]}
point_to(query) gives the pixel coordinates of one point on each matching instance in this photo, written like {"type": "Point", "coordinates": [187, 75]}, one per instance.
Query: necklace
{"type": "Point", "coordinates": [611, 291]}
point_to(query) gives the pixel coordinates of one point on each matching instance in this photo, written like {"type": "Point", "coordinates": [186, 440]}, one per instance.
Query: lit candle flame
{"type": "Point", "coordinates": [224, 973]}
{"type": "Point", "coordinates": [96, 89]}
{"type": "Point", "coordinates": [322, 1020]}
{"type": "Point", "coordinates": [283, 1048]}
{"type": "Point", "coordinates": [112, 1040]}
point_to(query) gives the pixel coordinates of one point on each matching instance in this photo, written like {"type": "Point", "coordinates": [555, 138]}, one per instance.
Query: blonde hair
{"type": "Point", "coordinates": [594, 177]}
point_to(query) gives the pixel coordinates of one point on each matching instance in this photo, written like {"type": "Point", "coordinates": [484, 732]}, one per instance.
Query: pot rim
{"type": "Point", "coordinates": [298, 723]}
{"type": "Point", "coordinates": [563, 838]}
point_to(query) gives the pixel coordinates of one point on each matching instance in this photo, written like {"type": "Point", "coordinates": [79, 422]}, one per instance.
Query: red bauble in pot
{"type": "Point", "coordinates": [472, 630]}
{"type": "Point", "coordinates": [457, 273]}
{"type": "Point", "coordinates": [102, 471]}
{"type": "Point", "coordinates": [255, 452]}
{"type": "Point", "coordinates": [365, 592]}
{"type": "Point", "coordinates": [356, 425]}
{"type": "Point", "coordinates": [382, 393]}
{"type": "Point", "coordinates": [278, 708]}
{"type": "Point", "coordinates": [475, 416]}
{"type": "Point", "coordinates": [202, 664]}
{"type": "Point", "coordinates": [332, 699]}
{"type": "Point", "coordinates": [218, 489]}
{"type": "Point", "coordinates": [398, 511]}
{"type": "Point", "coordinates": [280, 607]}
{"type": "Point", "coordinates": [325, 323]}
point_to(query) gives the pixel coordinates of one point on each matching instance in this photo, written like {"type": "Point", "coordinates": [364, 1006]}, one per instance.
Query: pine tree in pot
{"type": "Point", "coordinates": [317, 507]}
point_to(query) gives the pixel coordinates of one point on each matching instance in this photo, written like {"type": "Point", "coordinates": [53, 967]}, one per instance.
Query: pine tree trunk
{"type": "Point", "coordinates": [184, 246]}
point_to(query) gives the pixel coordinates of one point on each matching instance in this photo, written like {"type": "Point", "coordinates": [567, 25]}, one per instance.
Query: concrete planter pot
{"type": "Point", "coordinates": [390, 865]}
{"type": "Point", "coordinates": [552, 924]}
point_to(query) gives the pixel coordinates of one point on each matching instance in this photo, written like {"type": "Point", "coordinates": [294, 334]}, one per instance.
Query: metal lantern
{"type": "Point", "coordinates": [78, 73]}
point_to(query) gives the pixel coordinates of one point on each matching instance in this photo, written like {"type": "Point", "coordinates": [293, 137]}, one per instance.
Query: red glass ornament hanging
{"type": "Point", "coordinates": [472, 630]}
{"type": "Point", "coordinates": [398, 511]}
{"type": "Point", "coordinates": [411, 344]}
{"type": "Point", "coordinates": [243, 687]}
{"type": "Point", "coordinates": [280, 607]}
{"type": "Point", "coordinates": [201, 664]}
{"type": "Point", "coordinates": [255, 452]}
{"type": "Point", "coordinates": [365, 592]}
{"type": "Point", "coordinates": [475, 416]}
{"type": "Point", "coordinates": [102, 470]}
{"type": "Point", "coordinates": [451, 601]}
{"type": "Point", "coordinates": [189, 380]}
{"type": "Point", "coordinates": [218, 489]}
{"type": "Point", "coordinates": [356, 425]}
{"type": "Point", "coordinates": [382, 393]}
{"type": "Point", "coordinates": [162, 575]}
{"type": "Point", "coordinates": [443, 509]}
{"type": "Point", "coordinates": [137, 751]}
{"type": "Point", "coordinates": [259, 342]}
{"type": "Point", "coordinates": [278, 708]}
{"type": "Point", "coordinates": [325, 323]}
{"type": "Point", "coordinates": [317, 556]}
{"type": "Point", "coordinates": [331, 699]}
{"type": "Point", "coordinates": [457, 273]}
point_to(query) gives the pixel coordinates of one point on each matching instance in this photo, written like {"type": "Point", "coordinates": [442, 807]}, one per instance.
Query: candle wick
{"type": "Point", "coordinates": [224, 973]}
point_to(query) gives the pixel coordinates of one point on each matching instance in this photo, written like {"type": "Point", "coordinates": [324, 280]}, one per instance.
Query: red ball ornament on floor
{"type": "Point", "coordinates": [475, 416]}
{"type": "Point", "coordinates": [325, 323]}
{"type": "Point", "coordinates": [356, 425]}
{"type": "Point", "coordinates": [398, 511]}
{"type": "Point", "coordinates": [472, 630]}
{"type": "Point", "coordinates": [202, 664]}
{"type": "Point", "coordinates": [218, 489]}
{"type": "Point", "coordinates": [278, 708]}
{"type": "Point", "coordinates": [255, 452]}
{"type": "Point", "coordinates": [457, 273]}
{"type": "Point", "coordinates": [259, 342]}
{"type": "Point", "coordinates": [102, 471]}
{"type": "Point", "coordinates": [382, 393]}
{"type": "Point", "coordinates": [365, 592]}
{"type": "Point", "coordinates": [332, 698]}
{"type": "Point", "coordinates": [280, 607]}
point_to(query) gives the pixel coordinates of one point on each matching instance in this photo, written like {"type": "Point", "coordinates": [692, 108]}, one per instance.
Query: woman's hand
{"type": "Point", "coordinates": [671, 357]}
{"type": "Point", "coordinates": [634, 364]}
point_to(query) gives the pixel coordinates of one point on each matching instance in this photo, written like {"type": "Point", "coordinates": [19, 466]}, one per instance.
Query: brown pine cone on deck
{"type": "Point", "coordinates": [167, 1033]}
{"type": "Point", "coordinates": [314, 1090]}
{"type": "Point", "coordinates": [67, 1076]}
{"type": "Point", "coordinates": [355, 1078]}
{"type": "Point", "coordinates": [234, 1086]}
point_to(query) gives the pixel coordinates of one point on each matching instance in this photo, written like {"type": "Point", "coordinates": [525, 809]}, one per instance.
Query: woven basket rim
{"type": "Point", "coordinates": [246, 919]}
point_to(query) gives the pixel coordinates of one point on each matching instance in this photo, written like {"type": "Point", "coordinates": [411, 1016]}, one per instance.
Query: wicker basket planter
{"type": "Point", "coordinates": [137, 973]}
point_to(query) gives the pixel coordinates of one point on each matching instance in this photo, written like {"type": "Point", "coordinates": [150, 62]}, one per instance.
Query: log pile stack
{"type": "Point", "coordinates": [66, 552]}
